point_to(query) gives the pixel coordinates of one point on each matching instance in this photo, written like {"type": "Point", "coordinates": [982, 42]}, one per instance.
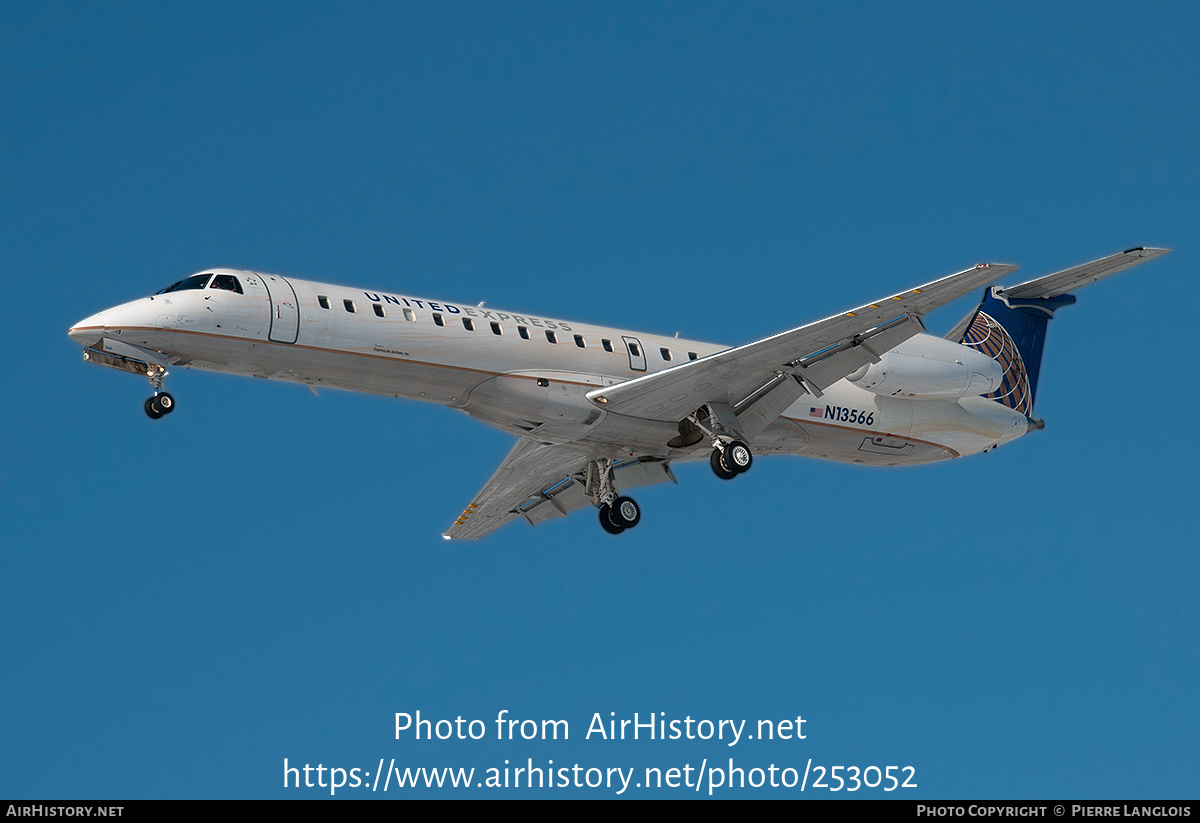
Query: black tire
{"type": "Point", "coordinates": [152, 408]}
{"type": "Point", "coordinates": [166, 403]}
{"type": "Point", "coordinates": [738, 456]}
{"type": "Point", "coordinates": [606, 522]}
{"type": "Point", "coordinates": [718, 466]}
{"type": "Point", "coordinates": [625, 513]}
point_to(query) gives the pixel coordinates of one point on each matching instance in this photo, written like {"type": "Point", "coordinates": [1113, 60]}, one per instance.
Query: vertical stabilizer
{"type": "Point", "coordinates": [1010, 324]}
{"type": "Point", "coordinates": [1013, 333]}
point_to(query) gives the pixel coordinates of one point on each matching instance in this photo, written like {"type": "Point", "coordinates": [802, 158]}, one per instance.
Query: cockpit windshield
{"type": "Point", "coordinates": [196, 281]}
{"type": "Point", "coordinates": [227, 282]}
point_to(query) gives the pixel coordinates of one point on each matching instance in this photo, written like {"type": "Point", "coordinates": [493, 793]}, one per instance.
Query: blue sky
{"type": "Point", "coordinates": [261, 576]}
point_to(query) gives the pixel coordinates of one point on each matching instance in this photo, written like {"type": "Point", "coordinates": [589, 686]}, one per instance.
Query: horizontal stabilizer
{"type": "Point", "coordinates": [1053, 285]}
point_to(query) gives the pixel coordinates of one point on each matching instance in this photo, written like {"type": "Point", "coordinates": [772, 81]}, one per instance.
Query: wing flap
{"type": "Point", "coordinates": [563, 501]}
{"type": "Point", "coordinates": [858, 351]}
{"type": "Point", "coordinates": [753, 417]}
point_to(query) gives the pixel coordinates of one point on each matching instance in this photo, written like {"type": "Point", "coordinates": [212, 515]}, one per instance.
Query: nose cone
{"type": "Point", "coordinates": [89, 330]}
{"type": "Point", "coordinates": [139, 313]}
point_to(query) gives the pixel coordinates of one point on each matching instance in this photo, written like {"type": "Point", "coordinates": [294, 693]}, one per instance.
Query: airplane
{"type": "Point", "coordinates": [599, 411]}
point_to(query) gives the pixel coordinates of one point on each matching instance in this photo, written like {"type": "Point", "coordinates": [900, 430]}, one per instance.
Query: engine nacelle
{"type": "Point", "coordinates": [930, 368]}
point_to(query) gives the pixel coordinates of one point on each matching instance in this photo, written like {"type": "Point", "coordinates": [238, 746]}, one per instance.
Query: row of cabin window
{"type": "Point", "coordinates": [522, 331]}
{"type": "Point", "coordinates": [350, 307]}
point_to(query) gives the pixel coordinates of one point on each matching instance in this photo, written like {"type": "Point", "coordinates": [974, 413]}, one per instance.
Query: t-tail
{"type": "Point", "coordinates": [1010, 324]}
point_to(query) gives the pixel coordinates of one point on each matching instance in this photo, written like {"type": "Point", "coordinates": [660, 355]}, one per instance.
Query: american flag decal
{"type": "Point", "coordinates": [813, 411]}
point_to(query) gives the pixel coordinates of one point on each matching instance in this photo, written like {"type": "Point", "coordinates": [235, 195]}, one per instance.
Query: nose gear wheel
{"type": "Point", "coordinates": [160, 404]}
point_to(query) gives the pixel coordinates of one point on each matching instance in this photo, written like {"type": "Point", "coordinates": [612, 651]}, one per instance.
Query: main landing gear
{"type": "Point", "coordinates": [617, 513]}
{"type": "Point", "coordinates": [161, 403]}
{"type": "Point", "coordinates": [730, 455]}
{"type": "Point", "coordinates": [728, 460]}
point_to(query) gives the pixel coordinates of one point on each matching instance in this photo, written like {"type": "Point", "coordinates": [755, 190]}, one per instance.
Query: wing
{"type": "Point", "coordinates": [538, 482]}
{"type": "Point", "coordinates": [811, 358]}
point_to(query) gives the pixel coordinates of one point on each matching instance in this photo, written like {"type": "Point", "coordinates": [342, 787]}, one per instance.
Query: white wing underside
{"type": "Point", "coordinates": [537, 482]}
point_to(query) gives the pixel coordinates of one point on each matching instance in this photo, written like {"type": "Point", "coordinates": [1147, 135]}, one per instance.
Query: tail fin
{"type": "Point", "coordinates": [1010, 324]}
{"type": "Point", "coordinates": [1013, 332]}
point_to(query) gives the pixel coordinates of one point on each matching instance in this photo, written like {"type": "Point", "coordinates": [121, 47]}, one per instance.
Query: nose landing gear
{"type": "Point", "coordinates": [161, 403]}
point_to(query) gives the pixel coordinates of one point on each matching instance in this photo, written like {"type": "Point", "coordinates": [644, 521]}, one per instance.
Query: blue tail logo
{"type": "Point", "coordinates": [1013, 333]}
{"type": "Point", "coordinates": [989, 337]}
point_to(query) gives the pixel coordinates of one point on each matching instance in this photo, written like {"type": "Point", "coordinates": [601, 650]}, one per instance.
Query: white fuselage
{"type": "Point", "coordinates": [529, 375]}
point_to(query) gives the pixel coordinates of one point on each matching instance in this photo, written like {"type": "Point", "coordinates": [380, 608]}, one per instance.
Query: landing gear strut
{"type": "Point", "coordinates": [161, 403]}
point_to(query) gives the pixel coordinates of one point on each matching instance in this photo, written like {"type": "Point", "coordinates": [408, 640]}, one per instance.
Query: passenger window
{"type": "Point", "coordinates": [409, 316]}
{"type": "Point", "coordinates": [227, 282]}
{"type": "Point", "coordinates": [580, 342]}
{"type": "Point", "coordinates": [523, 332]}
{"type": "Point", "coordinates": [666, 354]}
{"type": "Point", "coordinates": [692, 355]}
{"type": "Point", "coordinates": [496, 329]}
{"type": "Point", "coordinates": [438, 321]}
{"type": "Point", "coordinates": [349, 304]}
{"type": "Point", "coordinates": [607, 344]}
{"type": "Point", "coordinates": [379, 310]}
{"type": "Point", "coordinates": [633, 349]}
{"type": "Point", "coordinates": [468, 324]}
{"type": "Point", "coordinates": [323, 300]}
{"type": "Point", "coordinates": [552, 337]}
